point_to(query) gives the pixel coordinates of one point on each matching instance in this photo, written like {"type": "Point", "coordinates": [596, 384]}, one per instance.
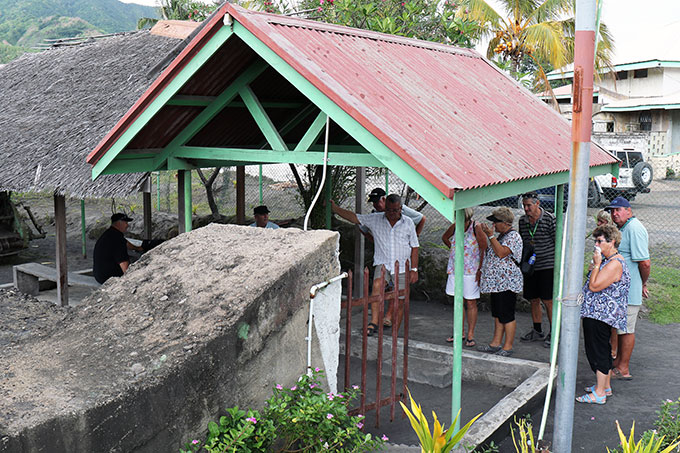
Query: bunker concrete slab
{"type": "Point", "coordinates": [209, 319]}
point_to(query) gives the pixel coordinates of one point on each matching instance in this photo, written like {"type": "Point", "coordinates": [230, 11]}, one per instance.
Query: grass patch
{"type": "Point", "coordinates": [664, 290]}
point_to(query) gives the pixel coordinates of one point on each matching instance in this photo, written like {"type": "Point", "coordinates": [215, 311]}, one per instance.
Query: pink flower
{"type": "Point", "coordinates": [360, 425]}
{"type": "Point", "coordinates": [592, 418]}
{"type": "Point", "coordinates": [355, 387]}
{"type": "Point", "coordinates": [331, 396]}
{"type": "Point", "coordinates": [339, 396]}
{"type": "Point", "coordinates": [329, 416]}
{"type": "Point", "coordinates": [385, 438]}
{"type": "Point", "coordinates": [311, 386]}
{"type": "Point", "coordinates": [318, 369]}
{"type": "Point", "coordinates": [279, 387]}
{"type": "Point", "coordinates": [319, 9]}
{"type": "Point", "coordinates": [360, 416]}
{"type": "Point", "coordinates": [294, 388]}
{"type": "Point", "coordinates": [252, 420]}
{"type": "Point", "coordinates": [195, 441]}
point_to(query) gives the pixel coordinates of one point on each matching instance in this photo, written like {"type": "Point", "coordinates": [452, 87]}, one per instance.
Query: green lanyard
{"type": "Point", "coordinates": [535, 227]}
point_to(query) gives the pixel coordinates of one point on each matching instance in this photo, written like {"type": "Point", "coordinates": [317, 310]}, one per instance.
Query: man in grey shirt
{"type": "Point", "coordinates": [377, 197]}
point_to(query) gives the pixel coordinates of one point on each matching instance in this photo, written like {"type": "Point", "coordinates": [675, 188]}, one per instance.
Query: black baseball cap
{"type": "Point", "coordinates": [120, 216]}
{"type": "Point", "coordinates": [261, 210]}
{"type": "Point", "coordinates": [376, 194]}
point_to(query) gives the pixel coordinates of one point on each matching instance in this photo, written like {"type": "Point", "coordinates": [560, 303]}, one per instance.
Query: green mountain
{"type": "Point", "coordinates": [26, 22]}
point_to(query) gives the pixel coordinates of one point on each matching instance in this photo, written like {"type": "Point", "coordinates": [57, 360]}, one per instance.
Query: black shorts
{"type": "Point", "coordinates": [596, 335]}
{"type": "Point", "coordinates": [503, 306]}
{"type": "Point", "coordinates": [539, 285]}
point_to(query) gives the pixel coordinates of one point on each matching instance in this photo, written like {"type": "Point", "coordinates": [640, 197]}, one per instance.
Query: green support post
{"type": "Point", "coordinates": [327, 197]}
{"type": "Point", "coordinates": [458, 317]}
{"type": "Point", "coordinates": [158, 191]}
{"type": "Point", "coordinates": [260, 181]}
{"type": "Point", "coordinates": [187, 200]}
{"type": "Point", "coordinates": [387, 181]}
{"type": "Point", "coordinates": [82, 227]}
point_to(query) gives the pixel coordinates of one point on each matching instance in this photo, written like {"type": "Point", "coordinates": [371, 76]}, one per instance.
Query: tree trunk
{"type": "Point", "coordinates": [209, 192]}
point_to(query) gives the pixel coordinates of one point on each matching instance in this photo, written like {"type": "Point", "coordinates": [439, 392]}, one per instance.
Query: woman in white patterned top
{"type": "Point", "coordinates": [502, 278]}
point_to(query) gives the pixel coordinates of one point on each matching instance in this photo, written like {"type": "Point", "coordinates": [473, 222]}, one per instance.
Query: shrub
{"type": "Point", "coordinates": [300, 418]}
{"type": "Point", "coordinates": [307, 419]}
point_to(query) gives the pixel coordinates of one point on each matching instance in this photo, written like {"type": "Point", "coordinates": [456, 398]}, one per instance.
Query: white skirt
{"type": "Point", "coordinates": [470, 287]}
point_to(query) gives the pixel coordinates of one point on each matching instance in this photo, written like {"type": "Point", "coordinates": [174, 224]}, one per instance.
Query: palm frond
{"type": "Point", "coordinates": [552, 10]}
{"type": "Point", "coordinates": [481, 12]}
{"type": "Point", "coordinates": [547, 40]}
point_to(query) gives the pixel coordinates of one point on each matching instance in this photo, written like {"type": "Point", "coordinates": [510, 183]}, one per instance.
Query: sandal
{"type": "Point", "coordinates": [592, 398]}
{"type": "Point", "coordinates": [387, 323]}
{"type": "Point", "coordinates": [450, 340]}
{"type": "Point", "coordinates": [591, 389]}
{"type": "Point", "coordinates": [470, 343]}
{"type": "Point", "coordinates": [616, 374]}
{"type": "Point", "coordinates": [489, 348]}
{"type": "Point", "coordinates": [370, 329]}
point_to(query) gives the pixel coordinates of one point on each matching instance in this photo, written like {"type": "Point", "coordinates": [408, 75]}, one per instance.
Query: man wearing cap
{"type": "Point", "coordinates": [537, 228]}
{"type": "Point", "coordinates": [635, 250]}
{"type": "Point", "coordinates": [377, 198]}
{"type": "Point", "coordinates": [395, 240]}
{"type": "Point", "coordinates": [110, 255]}
{"type": "Point", "coordinates": [261, 214]}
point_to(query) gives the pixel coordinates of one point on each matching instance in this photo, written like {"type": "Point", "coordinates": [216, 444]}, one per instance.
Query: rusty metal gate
{"type": "Point", "coordinates": [395, 304]}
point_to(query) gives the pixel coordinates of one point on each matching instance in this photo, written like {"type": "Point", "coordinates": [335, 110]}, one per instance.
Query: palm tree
{"type": "Point", "coordinates": [540, 30]}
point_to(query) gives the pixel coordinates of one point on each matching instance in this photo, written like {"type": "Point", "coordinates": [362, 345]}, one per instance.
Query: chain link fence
{"type": "Point", "coordinates": [658, 210]}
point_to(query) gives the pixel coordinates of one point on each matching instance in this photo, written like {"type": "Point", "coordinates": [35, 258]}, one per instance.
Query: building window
{"type": "Point", "coordinates": [639, 73]}
{"type": "Point", "coordinates": [622, 75]}
{"type": "Point", "coordinates": [610, 126]}
{"type": "Point", "coordinates": [645, 121]}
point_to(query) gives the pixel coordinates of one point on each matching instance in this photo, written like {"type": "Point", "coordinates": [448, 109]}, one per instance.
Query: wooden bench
{"type": "Point", "coordinates": [27, 277]}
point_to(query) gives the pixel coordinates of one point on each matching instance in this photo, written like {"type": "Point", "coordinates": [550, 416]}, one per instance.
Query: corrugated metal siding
{"type": "Point", "coordinates": [450, 115]}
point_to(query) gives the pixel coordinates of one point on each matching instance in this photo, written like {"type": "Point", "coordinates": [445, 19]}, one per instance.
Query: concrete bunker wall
{"type": "Point", "coordinates": [210, 319]}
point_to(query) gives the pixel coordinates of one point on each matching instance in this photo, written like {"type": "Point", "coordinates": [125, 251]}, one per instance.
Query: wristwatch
{"type": "Point", "coordinates": [414, 269]}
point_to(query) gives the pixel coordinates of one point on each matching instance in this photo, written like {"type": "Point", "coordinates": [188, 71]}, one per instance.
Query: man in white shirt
{"type": "Point", "coordinates": [395, 240]}
{"type": "Point", "coordinates": [377, 198]}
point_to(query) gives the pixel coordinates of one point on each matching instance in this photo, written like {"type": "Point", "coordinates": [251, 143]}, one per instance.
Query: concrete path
{"type": "Point", "coordinates": [654, 367]}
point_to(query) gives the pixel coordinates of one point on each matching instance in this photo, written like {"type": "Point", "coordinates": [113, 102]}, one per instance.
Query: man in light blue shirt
{"type": "Point", "coordinates": [261, 214]}
{"type": "Point", "coordinates": [635, 250]}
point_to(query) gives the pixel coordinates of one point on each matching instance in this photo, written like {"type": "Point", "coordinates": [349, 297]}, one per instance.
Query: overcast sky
{"type": "Point", "coordinates": [642, 29]}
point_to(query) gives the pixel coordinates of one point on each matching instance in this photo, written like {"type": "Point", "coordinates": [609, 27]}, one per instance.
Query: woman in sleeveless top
{"type": "Point", "coordinates": [605, 303]}
{"type": "Point", "coordinates": [474, 245]}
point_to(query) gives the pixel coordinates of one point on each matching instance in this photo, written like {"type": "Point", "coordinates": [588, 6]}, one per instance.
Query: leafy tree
{"type": "Point", "coordinates": [541, 30]}
{"type": "Point", "coordinates": [421, 19]}
{"type": "Point", "coordinates": [181, 10]}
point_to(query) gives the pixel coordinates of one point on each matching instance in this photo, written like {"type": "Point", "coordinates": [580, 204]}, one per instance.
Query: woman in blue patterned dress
{"type": "Point", "coordinates": [605, 303]}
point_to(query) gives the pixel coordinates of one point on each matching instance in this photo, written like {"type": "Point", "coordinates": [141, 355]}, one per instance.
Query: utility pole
{"type": "Point", "coordinates": [576, 222]}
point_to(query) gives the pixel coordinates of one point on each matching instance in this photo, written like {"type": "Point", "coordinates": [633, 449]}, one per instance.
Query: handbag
{"type": "Point", "coordinates": [528, 259]}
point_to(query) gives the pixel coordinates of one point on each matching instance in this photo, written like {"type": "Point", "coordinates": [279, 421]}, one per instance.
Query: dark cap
{"type": "Point", "coordinates": [120, 216]}
{"type": "Point", "coordinates": [261, 210]}
{"type": "Point", "coordinates": [502, 214]}
{"type": "Point", "coordinates": [376, 194]}
{"type": "Point", "coordinates": [618, 202]}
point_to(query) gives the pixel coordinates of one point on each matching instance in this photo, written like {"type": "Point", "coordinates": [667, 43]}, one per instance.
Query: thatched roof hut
{"type": "Point", "coordinates": [55, 106]}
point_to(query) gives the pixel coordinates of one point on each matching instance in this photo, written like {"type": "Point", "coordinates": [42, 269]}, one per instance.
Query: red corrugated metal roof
{"type": "Point", "coordinates": [447, 112]}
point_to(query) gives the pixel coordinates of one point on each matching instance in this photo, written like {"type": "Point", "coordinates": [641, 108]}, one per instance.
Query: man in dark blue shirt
{"type": "Point", "coordinates": [110, 252]}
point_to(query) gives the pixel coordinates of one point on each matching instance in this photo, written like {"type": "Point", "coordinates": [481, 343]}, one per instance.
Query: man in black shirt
{"type": "Point", "coordinates": [110, 252]}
